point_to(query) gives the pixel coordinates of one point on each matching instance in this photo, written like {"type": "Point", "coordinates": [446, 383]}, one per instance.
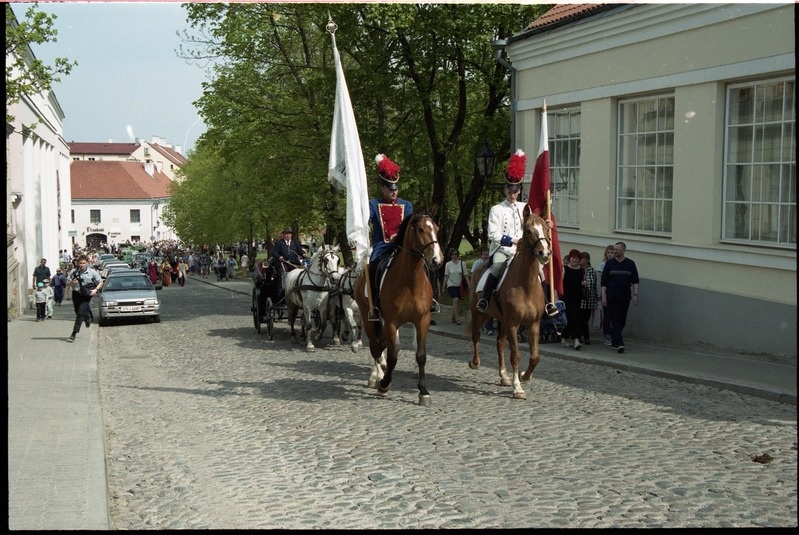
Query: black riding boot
{"type": "Point", "coordinates": [488, 289]}
{"type": "Point", "coordinates": [374, 314]}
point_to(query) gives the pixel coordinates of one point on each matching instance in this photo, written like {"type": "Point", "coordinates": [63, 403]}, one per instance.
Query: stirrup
{"type": "Point", "coordinates": [435, 308]}
{"type": "Point", "coordinates": [552, 310]}
{"type": "Point", "coordinates": [374, 314]}
{"type": "Point", "coordinates": [482, 305]}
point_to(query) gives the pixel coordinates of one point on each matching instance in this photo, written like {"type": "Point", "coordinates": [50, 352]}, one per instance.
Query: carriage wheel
{"type": "Point", "coordinates": [270, 319]}
{"type": "Point", "coordinates": [256, 314]}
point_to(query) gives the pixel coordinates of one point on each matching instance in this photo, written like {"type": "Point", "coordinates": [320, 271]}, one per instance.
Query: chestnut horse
{"type": "Point", "coordinates": [405, 297]}
{"type": "Point", "coordinates": [519, 301]}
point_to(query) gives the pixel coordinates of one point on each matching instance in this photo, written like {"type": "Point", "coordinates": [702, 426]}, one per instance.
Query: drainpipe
{"type": "Point", "coordinates": [499, 46]}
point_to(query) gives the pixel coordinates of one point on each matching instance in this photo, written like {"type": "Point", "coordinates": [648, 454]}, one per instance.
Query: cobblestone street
{"type": "Point", "coordinates": [209, 426]}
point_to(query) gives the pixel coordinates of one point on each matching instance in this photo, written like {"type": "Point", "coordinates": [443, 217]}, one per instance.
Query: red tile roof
{"type": "Point", "coordinates": [563, 13]}
{"type": "Point", "coordinates": [174, 156]}
{"type": "Point", "coordinates": [116, 181]}
{"type": "Point", "coordinates": [78, 147]}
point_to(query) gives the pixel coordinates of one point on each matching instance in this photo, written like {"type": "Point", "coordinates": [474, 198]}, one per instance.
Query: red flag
{"type": "Point", "coordinates": [539, 204]}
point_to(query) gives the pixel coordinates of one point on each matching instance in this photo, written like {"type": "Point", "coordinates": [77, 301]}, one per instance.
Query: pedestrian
{"type": "Point", "coordinates": [41, 273]}
{"type": "Point", "coordinates": [590, 300]}
{"type": "Point", "coordinates": [488, 328]}
{"type": "Point", "coordinates": [619, 275]}
{"type": "Point", "coordinates": [183, 271]}
{"type": "Point", "coordinates": [573, 278]}
{"type": "Point", "coordinates": [85, 283]}
{"type": "Point", "coordinates": [40, 298]}
{"type": "Point", "coordinates": [153, 270]}
{"type": "Point", "coordinates": [386, 214]}
{"type": "Point", "coordinates": [166, 273]}
{"type": "Point", "coordinates": [232, 266]}
{"type": "Point", "coordinates": [48, 290]}
{"type": "Point", "coordinates": [454, 276]}
{"type": "Point", "coordinates": [205, 265]}
{"type": "Point", "coordinates": [604, 324]}
{"type": "Point", "coordinates": [59, 283]}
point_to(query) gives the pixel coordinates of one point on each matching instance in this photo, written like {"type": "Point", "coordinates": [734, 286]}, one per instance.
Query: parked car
{"type": "Point", "coordinates": [107, 265]}
{"type": "Point", "coordinates": [105, 257]}
{"type": "Point", "coordinates": [128, 293]}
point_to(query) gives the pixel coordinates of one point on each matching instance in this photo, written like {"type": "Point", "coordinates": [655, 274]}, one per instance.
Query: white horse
{"type": "Point", "coordinates": [308, 289]}
{"type": "Point", "coordinates": [342, 304]}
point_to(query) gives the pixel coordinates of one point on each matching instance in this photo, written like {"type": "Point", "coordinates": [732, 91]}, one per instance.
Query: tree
{"type": "Point", "coordinates": [26, 75]}
{"type": "Point", "coordinates": [423, 81]}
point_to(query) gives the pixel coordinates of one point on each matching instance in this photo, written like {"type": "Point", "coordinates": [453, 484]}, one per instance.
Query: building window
{"type": "Point", "coordinates": [645, 173]}
{"type": "Point", "coordinates": [135, 216]}
{"type": "Point", "coordinates": [72, 216]}
{"type": "Point", "coordinates": [564, 164]}
{"type": "Point", "coordinates": [94, 217]}
{"type": "Point", "coordinates": [135, 239]}
{"type": "Point", "coordinates": [760, 163]}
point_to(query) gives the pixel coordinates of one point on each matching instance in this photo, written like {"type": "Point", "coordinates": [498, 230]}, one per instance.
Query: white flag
{"type": "Point", "coordinates": [346, 167]}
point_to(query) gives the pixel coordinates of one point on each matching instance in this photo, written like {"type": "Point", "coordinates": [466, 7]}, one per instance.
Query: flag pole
{"type": "Point", "coordinates": [551, 264]}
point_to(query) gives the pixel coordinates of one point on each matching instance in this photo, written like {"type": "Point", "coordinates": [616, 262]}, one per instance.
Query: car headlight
{"type": "Point", "coordinates": [108, 303]}
{"type": "Point", "coordinates": [151, 302]}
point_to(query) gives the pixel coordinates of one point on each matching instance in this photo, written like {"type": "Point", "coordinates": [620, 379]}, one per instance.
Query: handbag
{"type": "Point", "coordinates": [464, 290]}
{"type": "Point", "coordinates": [85, 290]}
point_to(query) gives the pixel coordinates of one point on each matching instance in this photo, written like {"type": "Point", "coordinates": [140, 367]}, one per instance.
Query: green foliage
{"type": "Point", "coordinates": [26, 75]}
{"type": "Point", "coordinates": [425, 87]}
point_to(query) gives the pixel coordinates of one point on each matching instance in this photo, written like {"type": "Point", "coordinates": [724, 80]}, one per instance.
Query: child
{"type": "Point", "coordinates": [50, 299]}
{"type": "Point", "coordinates": [40, 298]}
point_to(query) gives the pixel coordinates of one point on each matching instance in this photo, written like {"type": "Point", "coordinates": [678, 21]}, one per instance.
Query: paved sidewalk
{"type": "Point", "coordinates": [56, 451]}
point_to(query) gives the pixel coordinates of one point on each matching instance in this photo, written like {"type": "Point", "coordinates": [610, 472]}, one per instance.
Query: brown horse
{"type": "Point", "coordinates": [405, 297]}
{"type": "Point", "coordinates": [519, 301]}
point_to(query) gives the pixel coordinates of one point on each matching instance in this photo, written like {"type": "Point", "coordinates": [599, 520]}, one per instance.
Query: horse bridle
{"type": "Point", "coordinates": [421, 251]}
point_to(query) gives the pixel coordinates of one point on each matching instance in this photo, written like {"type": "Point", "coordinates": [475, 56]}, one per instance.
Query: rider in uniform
{"type": "Point", "coordinates": [386, 214]}
{"type": "Point", "coordinates": [505, 229]}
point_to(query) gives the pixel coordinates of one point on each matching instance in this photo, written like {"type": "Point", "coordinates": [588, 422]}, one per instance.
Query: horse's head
{"type": "Point", "coordinates": [534, 237]}
{"type": "Point", "coordinates": [418, 234]}
{"type": "Point", "coordinates": [325, 260]}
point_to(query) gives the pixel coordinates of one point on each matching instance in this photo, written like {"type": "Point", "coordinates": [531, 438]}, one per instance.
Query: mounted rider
{"type": "Point", "coordinates": [386, 214]}
{"type": "Point", "coordinates": [505, 229]}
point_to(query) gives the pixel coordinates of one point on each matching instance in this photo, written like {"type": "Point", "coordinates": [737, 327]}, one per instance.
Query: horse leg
{"type": "Point", "coordinates": [513, 345]}
{"type": "Point", "coordinates": [308, 329]}
{"type": "Point", "coordinates": [502, 339]}
{"type": "Point", "coordinates": [478, 319]}
{"type": "Point", "coordinates": [391, 337]}
{"type": "Point", "coordinates": [535, 330]}
{"type": "Point", "coordinates": [292, 316]}
{"type": "Point", "coordinates": [355, 341]}
{"type": "Point", "coordinates": [421, 360]}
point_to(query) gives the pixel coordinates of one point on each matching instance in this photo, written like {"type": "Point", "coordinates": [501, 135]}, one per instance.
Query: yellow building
{"type": "Point", "coordinates": [671, 128]}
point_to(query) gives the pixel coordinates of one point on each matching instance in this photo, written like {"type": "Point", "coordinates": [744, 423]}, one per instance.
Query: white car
{"type": "Point", "coordinates": [128, 294]}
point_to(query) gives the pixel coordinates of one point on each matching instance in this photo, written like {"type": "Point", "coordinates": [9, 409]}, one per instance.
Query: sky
{"type": "Point", "coordinates": [129, 82]}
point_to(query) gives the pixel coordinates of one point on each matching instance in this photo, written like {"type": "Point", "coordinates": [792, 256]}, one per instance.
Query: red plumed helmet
{"type": "Point", "coordinates": [388, 170]}
{"type": "Point", "coordinates": [514, 173]}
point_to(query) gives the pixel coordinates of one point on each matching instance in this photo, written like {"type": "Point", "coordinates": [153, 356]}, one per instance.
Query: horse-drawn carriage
{"type": "Point", "coordinates": [268, 304]}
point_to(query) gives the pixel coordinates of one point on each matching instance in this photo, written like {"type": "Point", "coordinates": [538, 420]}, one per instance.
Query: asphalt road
{"type": "Point", "coordinates": [209, 425]}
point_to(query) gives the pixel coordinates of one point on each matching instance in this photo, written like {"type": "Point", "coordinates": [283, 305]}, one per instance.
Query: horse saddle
{"type": "Point", "coordinates": [502, 274]}
{"type": "Point", "coordinates": [381, 267]}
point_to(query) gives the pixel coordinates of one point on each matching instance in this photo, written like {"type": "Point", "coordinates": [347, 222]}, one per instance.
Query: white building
{"type": "Point", "coordinates": [118, 201]}
{"type": "Point", "coordinates": [672, 128]}
{"type": "Point", "coordinates": [37, 192]}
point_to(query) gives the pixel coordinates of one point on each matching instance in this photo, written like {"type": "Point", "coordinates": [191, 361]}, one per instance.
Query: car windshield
{"type": "Point", "coordinates": [117, 284]}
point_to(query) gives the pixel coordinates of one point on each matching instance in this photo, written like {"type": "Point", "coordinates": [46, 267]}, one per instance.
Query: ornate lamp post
{"type": "Point", "coordinates": [485, 160]}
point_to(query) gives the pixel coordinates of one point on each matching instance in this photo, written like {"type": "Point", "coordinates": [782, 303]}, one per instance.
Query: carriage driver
{"type": "Point", "coordinates": [386, 214]}
{"type": "Point", "coordinates": [505, 229]}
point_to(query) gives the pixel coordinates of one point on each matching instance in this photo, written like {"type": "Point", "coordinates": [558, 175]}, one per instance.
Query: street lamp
{"type": "Point", "coordinates": [153, 213]}
{"type": "Point", "coordinates": [485, 160]}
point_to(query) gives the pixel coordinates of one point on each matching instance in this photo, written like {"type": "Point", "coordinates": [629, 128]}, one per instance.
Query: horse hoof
{"type": "Point", "coordinates": [372, 384]}
{"type": "Point", "coordinates": [424, 401]}
{"type": "Point", "coordinates": [354, 348]}
{"type": "Point", "coordinates": [474, 365]}
{"type": "Point", "coordinates": [336, 342]}
{"type": "Point", "coordinates": [526, 377]}
{"type": "Point", "coordinates": [519, 395]}
{"type": "Point", "coordinates": [505, 381]}
{"type": "Point", "coordinates": [310, 349]}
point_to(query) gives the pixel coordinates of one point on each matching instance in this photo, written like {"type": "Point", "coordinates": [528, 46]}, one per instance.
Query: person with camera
{"type": "Point", "coordinates": [85, 283]}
